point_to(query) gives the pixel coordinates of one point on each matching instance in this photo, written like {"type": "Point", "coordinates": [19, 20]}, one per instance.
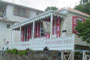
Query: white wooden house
{"type": "Point", "coordinates": [52, 29]}
{"type": "Point", "coordinates": [10, 14]}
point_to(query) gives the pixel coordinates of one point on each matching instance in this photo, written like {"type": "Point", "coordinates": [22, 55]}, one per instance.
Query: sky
{"type": "Point", "coordinates": [43, 4]}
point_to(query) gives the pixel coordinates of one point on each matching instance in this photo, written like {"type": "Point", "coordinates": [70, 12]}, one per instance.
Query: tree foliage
{"type": "Point", "coordinates": [83, 8]}
{"type": "Point", "coordinates": [84, 30]}
{"type": "Point", "coordinates": [51, 8]}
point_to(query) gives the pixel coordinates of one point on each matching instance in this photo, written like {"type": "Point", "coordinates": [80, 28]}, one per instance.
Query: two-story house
{"type": "Point", "coordinates": [54, 30]}
{"type": "Point", "coordinates": [10, 14]}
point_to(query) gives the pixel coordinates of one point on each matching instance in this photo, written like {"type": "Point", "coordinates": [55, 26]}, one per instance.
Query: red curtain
{"type": "Point", "coordinates": [58, 27]}
{"type": "Point", "coordinates": [22, 34]}
{"type": "Point", "coordinates": [28, 32]}
{"type": "Point", "coordinates": [53, 29]}
{"type": "Point", "coordinates": [37, 29]}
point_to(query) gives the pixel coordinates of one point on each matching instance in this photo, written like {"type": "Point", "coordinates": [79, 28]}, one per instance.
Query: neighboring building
{"type": "Point", "coordinates": [54, 30]}
{"type": "Point", "coordinates": [84, 1]}
{"type": "Point", "coordinates": [10, 14]}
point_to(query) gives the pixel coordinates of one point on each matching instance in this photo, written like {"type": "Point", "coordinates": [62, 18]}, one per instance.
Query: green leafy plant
{"type": "Point", "coordinates": [22, 52]}
{"type": "Point", "coordinates": [29, 50]}
{"type": "Point", "coordinates": [84, 30]}
{"type": "Point", "coordinates": [83, 8]}
{"type": "Point", "coordinates": [19, 52]}
{"type": "Point", "coordinates": [14, 51]}
{"type": "Point", "coordinates": [51, 8]}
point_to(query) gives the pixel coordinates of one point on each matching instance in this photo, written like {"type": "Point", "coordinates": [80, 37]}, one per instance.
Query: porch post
{"type": "Point", "coordinates": [72, 55]}
{"type": "Point", "coordinates": [83, 58]}
{"type": "Point", "coordinates": [11, 39]}
{"type": "Point", "coordinates": [62, 55]}
{"type": "Point", "coordinates": [33, 30]}
{"type": "Point", "coordinates": [20, 34]}
{"type": "Point", "coordinates": [51, 23]}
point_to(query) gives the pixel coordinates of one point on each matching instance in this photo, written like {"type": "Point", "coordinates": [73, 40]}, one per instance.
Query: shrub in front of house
{"type": "Point", "coordinates": [19, 52]}
{"type": "Point", "coordinates": [13, 51]}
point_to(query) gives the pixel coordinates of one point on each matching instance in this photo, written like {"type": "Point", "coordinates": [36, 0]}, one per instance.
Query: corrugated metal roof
{"type": "Point", "coordinates": [75, 11]}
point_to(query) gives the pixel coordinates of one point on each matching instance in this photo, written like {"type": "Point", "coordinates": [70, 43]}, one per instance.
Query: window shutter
{"type": "Point", "coordinates": [58, 27]}
{"type": "Point", "coordinates": [74, 23]}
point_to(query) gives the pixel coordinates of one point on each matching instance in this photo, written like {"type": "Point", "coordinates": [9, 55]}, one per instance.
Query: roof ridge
{"type": "Point", "coordinates": [75, 11]}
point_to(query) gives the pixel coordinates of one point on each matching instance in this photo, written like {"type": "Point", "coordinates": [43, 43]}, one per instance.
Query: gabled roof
{"type": "Point", "coordinates": [75, 11]}
{"type": "Point", "coordinates": [20, 5]}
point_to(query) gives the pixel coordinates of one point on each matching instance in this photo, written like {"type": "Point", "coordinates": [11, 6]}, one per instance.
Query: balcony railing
{"type": "Point", "coordinates": [62, 43]}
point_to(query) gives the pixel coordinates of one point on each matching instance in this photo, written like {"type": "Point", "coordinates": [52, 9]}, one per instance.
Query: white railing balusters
{"type": "Point", "coordinates": [62, 43]}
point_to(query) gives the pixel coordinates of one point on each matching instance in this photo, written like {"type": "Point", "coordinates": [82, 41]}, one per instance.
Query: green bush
{"type": "Point", "coordinates": [29, 50]}
{"type": "Point", "coordinates": [19, 52]}
{"type": "Point", "coordinates": [14, 51]}
{"type": "Point", "coordinates": [22, 52]}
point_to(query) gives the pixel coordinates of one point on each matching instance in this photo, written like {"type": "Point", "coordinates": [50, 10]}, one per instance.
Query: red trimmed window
{"type": "Point", "coordinates": [75, 20]}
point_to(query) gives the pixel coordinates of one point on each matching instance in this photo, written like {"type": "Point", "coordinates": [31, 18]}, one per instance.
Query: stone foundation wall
{"type": "Point", "coordinates": [31, 56]}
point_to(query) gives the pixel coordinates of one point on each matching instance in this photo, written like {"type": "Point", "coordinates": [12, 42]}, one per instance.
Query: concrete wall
{"type": "Point", "coordinates": [36, 55]}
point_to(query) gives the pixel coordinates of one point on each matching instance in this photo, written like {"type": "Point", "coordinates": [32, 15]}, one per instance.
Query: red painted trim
{"type": "Point", "coordinates": [74, 23]}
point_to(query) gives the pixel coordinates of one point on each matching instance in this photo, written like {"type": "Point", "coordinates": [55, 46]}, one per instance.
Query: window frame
{"type": "Point", "coordinates": [74, 23]}
{"type": "Point", "coordinates": [20, 11]}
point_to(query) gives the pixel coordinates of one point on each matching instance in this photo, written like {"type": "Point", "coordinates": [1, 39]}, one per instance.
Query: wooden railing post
{"type": "Point", "coordinates": [51, 23]}
{"type": "Point", "coordinates": [20, 34]}
{"type": "Point", "coordinates": [33, 30]}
